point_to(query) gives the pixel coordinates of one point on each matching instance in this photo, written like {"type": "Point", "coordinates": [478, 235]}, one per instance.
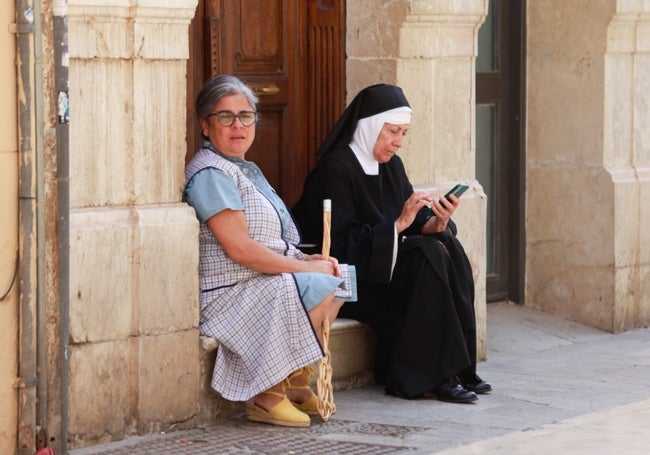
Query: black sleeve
{"type": "Point", "coordinates": [356, 236]}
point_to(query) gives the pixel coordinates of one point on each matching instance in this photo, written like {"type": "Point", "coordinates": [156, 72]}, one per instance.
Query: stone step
{"type": "Point", "coordinates": [351, 347]}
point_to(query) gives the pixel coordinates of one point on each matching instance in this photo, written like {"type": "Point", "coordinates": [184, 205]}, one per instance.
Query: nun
{"type": "Point", "coordinates": [415, 282]}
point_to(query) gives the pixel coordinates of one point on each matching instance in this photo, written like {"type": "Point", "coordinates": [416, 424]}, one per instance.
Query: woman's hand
{"type": "Point", "coordinates": [331, 263]}
{"type": "Point", "coordinates": [443, 210]}
{"type": "Point", "coordinates": [412, 206]}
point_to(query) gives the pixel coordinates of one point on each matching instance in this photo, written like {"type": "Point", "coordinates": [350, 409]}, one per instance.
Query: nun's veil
{"type": "Point", "coordinates": [370, 101]}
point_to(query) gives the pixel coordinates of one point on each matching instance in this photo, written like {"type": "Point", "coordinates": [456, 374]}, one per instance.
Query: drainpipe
{"type": "Point", "coordinates": [61, 59]}
{"type": "Point", "coordinates": [27, 205]}
{"type": "Point", "coordinates": [32, 381]}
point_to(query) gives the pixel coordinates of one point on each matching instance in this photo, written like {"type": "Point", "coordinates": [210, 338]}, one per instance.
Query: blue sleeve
{"type": "Point", "coordinates": [210, 191]}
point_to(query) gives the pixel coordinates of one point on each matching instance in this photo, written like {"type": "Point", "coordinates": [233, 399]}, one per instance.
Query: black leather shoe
{"type": "Point", "coordinates": [474, 383]}
{"type": "Point", "coordinates": [452, 392]}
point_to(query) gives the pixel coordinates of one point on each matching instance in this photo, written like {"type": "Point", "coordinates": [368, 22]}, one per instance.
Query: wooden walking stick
{"type": "Point", "coordinates": [324, 381]}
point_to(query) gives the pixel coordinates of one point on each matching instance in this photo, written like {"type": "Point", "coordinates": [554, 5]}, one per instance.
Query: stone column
{"type": "Point", "coordinates": [436, 69]}
{"type": "Point", "coordinates": [588, 245]}
{"type": "Point", "coordinates": [133, 246]}
{"type": "Point", "coordinates": [627, 159]}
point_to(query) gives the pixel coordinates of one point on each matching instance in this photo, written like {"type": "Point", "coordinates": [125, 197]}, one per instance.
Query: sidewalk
{"type": "Point", "coordinates": [559, 387]}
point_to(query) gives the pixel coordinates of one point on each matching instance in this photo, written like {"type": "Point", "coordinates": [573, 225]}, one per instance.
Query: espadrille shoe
{"type": "Point", "coordinates": [283, 413]}
{"type": "Point", "coordinates": [310, 405]}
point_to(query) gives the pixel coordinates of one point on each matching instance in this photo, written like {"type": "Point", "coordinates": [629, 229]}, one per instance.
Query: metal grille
{"type": "Point", "coordinates": [245, 438]}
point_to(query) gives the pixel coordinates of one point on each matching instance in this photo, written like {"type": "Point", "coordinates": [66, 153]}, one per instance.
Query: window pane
{"type": "Point", "coordinates": [487, 59]}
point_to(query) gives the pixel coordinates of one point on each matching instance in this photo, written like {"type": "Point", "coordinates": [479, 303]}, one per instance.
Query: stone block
{"type": "Point", "coordinates": [432, 37]}
{"type": "Point", "coordinates": [100, 275]}
{"type": "Point", "coordinates": [438, 90]}
{"type": "Point", "coordinates": [626, 303]}
{"type": "Point", "coordinates": [641, 110]}
{"type": "Point", "coordinates": [352, 350]}
{"type": "Point", "coordinates": [168, 379]}
{"type": "Point", "coordinates": [364, 72]}
{"type": "Point", "coordinates": [643, 34]}
{"type": "Point", "coordinates": [643, 295]}
{"type": "Point", "coordinates": [621, 35]}
{"type": "Point", "coordinates": [151, 36]}
{"type": "Point", "coordinates": [158, 147]}
{"type": "Point", "coordinates": [132, 271]}
{"type": "Point", "coordinates": [373, 28]}
{"type": "Point", "coordinates": [449, 7]}
{"type": "Point", "coordinates": [208, 353]}
{"type": "Point", "coordinates": [626, 220]}
{"type": "Point", "coordinates": [166, 266]}
{"type": "Point", "coordinates": [644, 217]}
{"type": "Point", "coordinates": [100, 388]}
{"type": "Point", "coordinates": [116, 29]}
{"type": "Point", "coordinates": [212, 405]}
{"type": "Point", "coordinates": [567, 237]}
{"type": "Point", "coordinates": [99, 32]}
{"type": "Point", "coordinates": [118, 162]}
{"type": "Point", "coordinates": [101, 133]}
{"type": "Point", "coordinates": [618, 122]}
{"type": "Point", "coordinates": [583, 294]}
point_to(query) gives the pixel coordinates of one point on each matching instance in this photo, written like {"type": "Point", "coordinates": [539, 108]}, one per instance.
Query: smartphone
{"type": "Point", "coordinates": [457, 190]}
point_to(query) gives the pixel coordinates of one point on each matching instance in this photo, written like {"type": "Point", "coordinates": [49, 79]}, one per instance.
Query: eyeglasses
{"type": "Point", "coordinates": [227, 118]}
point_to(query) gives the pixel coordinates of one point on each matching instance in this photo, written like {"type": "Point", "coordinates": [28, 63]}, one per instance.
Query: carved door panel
{"type": "Point", "coordinates": [266, 43]}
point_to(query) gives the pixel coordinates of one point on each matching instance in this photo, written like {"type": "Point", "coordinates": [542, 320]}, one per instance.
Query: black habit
{"type": "Point", "coordinates": [422, 312]}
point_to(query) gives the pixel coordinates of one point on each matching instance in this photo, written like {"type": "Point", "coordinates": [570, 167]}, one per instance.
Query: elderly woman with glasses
{"type": "Point", "coordinates": [261, 298]}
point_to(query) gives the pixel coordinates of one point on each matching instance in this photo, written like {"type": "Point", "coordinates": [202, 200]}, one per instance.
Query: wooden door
{"type": "Point", "coordinates": [290, 52]}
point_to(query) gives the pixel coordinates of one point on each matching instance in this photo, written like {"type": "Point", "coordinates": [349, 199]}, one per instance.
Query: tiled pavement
{"type": "Point", "coordinates": [559, 387]}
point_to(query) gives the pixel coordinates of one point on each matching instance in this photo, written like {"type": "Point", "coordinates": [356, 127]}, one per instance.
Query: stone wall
{"type": "Point", "coordinates": [588, 253]}
{"type": "Point", "coordinates": [133, 246]}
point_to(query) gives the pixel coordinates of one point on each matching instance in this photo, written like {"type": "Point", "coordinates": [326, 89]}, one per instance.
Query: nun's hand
{"type": "Point", "coordinates": [411, 207]}
{"type": "Point", "coordinates": [443, 210]}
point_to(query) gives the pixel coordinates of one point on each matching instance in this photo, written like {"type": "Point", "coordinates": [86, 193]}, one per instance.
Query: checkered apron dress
{"type": "Point", "coordinates": [262, 327]}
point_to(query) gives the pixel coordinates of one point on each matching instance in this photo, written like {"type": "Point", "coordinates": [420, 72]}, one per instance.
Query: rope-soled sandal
{"type": "Point", "coordinates": [309, 406]}
{"type": "Point", "coordinates": [283, 413]}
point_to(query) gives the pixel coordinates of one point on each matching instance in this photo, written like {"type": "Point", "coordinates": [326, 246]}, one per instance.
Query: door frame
{"type": "Point", "coordinates": [509, 179]}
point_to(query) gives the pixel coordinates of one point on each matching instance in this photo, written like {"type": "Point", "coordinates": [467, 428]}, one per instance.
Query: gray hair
{"type": "Point", "coordinates": [217, 88]}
